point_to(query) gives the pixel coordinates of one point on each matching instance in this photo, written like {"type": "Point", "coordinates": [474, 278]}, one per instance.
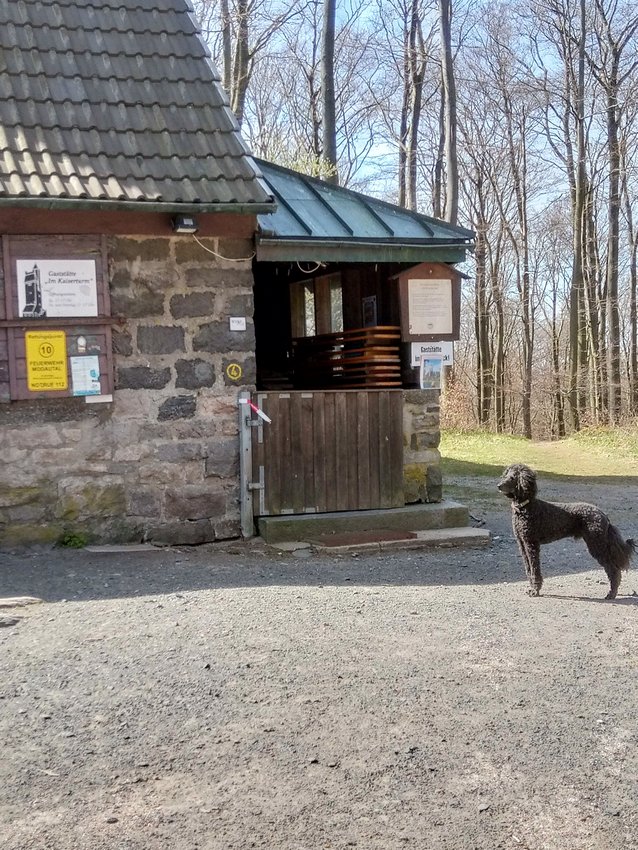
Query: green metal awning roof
{"type": "Point", "coordinates": [315, 220]}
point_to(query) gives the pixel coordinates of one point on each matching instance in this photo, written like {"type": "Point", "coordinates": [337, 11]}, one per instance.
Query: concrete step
{"type": "Point", "coordinates": [437, 537]}
{"type": "Point", "coordinates": [292, 527]}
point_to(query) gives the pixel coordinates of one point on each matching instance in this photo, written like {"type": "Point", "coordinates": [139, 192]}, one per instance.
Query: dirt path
{"type": "Point", "coordinates": [230, 697]}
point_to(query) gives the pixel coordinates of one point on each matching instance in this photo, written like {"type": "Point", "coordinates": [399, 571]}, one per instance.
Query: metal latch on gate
{"type": "Point", "coordinates": [256, 409]}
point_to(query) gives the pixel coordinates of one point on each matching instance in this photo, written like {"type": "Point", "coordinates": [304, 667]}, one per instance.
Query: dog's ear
{"type": "Point", "coordinates": [526, 484]}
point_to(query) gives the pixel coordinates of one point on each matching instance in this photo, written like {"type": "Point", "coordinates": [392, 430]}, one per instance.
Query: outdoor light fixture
{"type": "Point", "coordinates": [185, 224]}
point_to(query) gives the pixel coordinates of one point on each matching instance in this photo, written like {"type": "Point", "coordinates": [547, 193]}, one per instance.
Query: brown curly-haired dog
{"type": "Point", "coordinates": [536, 522]}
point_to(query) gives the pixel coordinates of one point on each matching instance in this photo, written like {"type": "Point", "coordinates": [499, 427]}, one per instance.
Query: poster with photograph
{"type": "Point", "coordinates": [56, 288]}
{"type": "Point", "coordinates": [431, 373]}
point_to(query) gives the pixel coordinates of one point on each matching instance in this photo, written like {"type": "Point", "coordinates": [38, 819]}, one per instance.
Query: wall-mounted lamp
{"type": "Point", "coordinates": [185, 224]}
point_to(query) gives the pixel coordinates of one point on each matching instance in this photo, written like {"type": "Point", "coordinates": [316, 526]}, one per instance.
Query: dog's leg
{"type": "Point", "coordinates": [614, 575]}
{"type": "Point", "coordinates": [531, 553]}
{"type": "Point", "coordinates": [535, 579]}
{"type": "Point", "coordinates": [607, 556]}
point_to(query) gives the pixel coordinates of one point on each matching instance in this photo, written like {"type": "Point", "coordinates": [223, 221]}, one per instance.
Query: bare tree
{"type": "Point", "coordinates": [407, 82]}
{"type": "Point", "coordinates": [609, 73]}
{"type": "Point", "coordinates": [563, 24]}
{"type": "Point", "coordinates": [238, 31]}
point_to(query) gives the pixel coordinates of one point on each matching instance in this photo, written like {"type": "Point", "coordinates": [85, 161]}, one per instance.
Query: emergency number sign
{"type": "Point", "coordinates": [46, 360]}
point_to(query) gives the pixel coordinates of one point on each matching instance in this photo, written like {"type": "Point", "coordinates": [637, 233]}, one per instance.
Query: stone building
{"type": "Point", "coordinates": [141, 246]}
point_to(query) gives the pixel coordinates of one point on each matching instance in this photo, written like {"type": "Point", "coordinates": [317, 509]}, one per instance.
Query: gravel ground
{"type": "Point", "coordinates": [231, 696]}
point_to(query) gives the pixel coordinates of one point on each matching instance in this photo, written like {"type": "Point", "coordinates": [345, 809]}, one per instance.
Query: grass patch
{"type": "Point", "coordinates": [601, 453]}
{"type": "Point", "coordinates": [608, 442]}
{"type": "Point", "coordinates": [72, 540]}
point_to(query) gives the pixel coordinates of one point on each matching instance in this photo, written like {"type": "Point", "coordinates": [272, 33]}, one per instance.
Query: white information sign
{"type": "Point", "coordinates": [56, 288]}
{"type": "Point", "coordinates": [85, 375]}
{"type": "Point", "coordinates": [442, 349]}
{"type": "Point", "coordinates": [430, 306]}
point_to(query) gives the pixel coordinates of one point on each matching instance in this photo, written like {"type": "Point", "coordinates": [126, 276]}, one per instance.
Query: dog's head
{"type": "Point", "coordinates": [518, 483]}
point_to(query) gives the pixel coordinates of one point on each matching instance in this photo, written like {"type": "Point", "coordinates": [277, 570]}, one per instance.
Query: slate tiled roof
{"type": "Point", "coordinates": [114, 103]}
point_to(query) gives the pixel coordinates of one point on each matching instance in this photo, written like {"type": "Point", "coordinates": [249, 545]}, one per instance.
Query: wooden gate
{"type": "Point", "coordinates": [327, 451]}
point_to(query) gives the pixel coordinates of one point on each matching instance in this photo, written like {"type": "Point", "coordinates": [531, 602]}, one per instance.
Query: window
{"type": "Point", "coordinates": [317, 306]}
{"type": "Point", "coordinates": [309, 309]}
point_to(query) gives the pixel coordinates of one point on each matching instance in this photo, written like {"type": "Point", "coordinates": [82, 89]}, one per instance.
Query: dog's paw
{"type": "Point", "coordinates": [611, 595]}
{"type": "Point", "coordinates": [533, 591]}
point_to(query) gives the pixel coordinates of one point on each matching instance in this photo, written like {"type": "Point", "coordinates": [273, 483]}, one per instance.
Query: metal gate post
{"type": "Point", "coordinates": [245, 466]}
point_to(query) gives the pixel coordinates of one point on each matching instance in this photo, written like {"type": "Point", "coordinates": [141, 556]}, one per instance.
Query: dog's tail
{"type": "Point", "coordinates": [621, 550]}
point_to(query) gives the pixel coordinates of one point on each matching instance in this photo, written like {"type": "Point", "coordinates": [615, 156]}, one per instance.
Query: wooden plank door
{"type": "Point", "coordinates": [328, 451]}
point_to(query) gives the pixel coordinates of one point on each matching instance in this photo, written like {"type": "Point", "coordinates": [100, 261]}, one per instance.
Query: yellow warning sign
{"type": "Point", "coordinates": [46, 360]}
{"type": "Point", "coordinates": [234, 371]}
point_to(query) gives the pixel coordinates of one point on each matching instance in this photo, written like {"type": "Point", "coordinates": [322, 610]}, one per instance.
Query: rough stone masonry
{"type": "Point", "coordinates": [159, 463]}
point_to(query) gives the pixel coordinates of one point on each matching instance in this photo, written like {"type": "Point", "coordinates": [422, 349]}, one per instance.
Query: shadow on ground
{"type": "Point", "coordinates": [61, 574]}
{"type": "Point", "coordinates": [81, 576]}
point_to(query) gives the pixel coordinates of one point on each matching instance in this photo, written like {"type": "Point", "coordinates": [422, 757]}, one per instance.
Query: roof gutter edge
{"type": "Point", "coordinates": [271, 240]}
{"type": "Point", "coordinates": [137, 206]}
{"type": "Point", "coordinates": [281, 250]}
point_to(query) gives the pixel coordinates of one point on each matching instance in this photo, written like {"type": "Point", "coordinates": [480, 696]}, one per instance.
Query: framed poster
{"type": "Point", "coordinates": [56, 288]}
{"type": "Point", "coordinates": [429, 306]}
{"type": "Point", "coordinates": [430, 303]}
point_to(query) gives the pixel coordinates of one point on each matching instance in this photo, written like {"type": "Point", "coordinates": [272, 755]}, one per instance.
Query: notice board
{"type": "Point", "coordinates": [57, 323]}
{"type": "Point", "coordinates": [430, 303]}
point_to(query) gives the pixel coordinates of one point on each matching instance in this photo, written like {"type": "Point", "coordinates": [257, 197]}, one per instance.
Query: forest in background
{"type": "Point", "coordinates": [515, 119]}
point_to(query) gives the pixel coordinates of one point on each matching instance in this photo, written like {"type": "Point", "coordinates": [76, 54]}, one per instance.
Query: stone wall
{"type": "Point", "coordinates": [421, 437]}
{"type": "Point", "coordinates": [4, 353]}
{"type": "Point", "coordinates": [159, 463]}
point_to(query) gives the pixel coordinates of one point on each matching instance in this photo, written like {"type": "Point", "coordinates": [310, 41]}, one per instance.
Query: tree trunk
{"type": "Point", "coordinates": [613, 317]}
{"type": "Point", "coordinates": [632, 238]}
{"type": "Point", "coordinates": [227, 52]}
{"type": "Point", "coordinates": [241, 69]}
{"type": "Point", "coordinates": [576, 299]}
{"type": "Point", "coordinates": [606, 69]}
{"type": "Point", "coordinates": [437, 189]}
{"type": "Point", "coordinates": [417, 71]}
{"type": "Point", "coordinates": [482, 331]}
{"type": "Point", "coordinates": [499, 342]}
{"type": "Point", "coordinates": [451, 209]}
{"type": "Point", "coordinates": [405, 118]}
{"type": "Point", "coordinates": [328, 90]}
{"type": "Point", "coordinates": [558, 407]}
